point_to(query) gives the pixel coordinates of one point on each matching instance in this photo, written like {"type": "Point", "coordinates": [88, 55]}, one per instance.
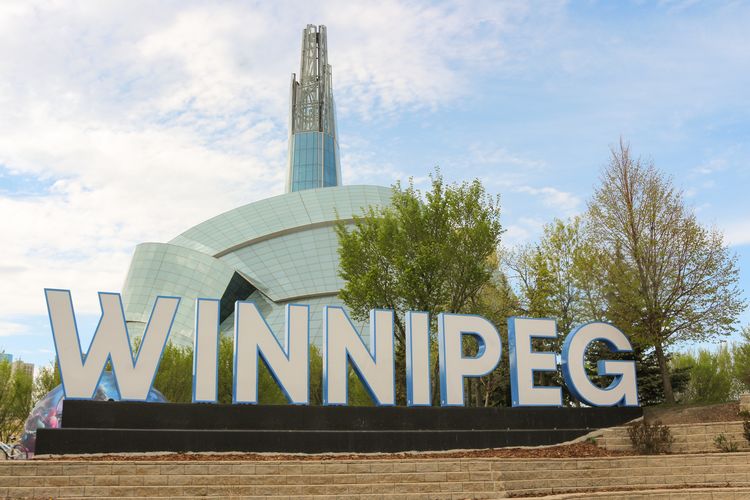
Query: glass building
{"type": "Point", "coordinates": [275, 251]}
{"type": "Point", "coordinates": [313, 138]}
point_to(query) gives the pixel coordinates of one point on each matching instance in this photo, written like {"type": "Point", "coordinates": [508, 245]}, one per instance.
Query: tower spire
{"type": "Point", "coordinates": [313, 138]}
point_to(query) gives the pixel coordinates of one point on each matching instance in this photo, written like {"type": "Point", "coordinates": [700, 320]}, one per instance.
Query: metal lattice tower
{"type": "Point", "coordinates": [313, 138]}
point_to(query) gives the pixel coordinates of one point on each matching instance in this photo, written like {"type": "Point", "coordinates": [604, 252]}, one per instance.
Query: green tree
{"type": "Point", "coordinates": [15, 399]}
{"type": "Point", "coordinates": [226, 364]}
{"type": "Point", "coordinates": [554, 274]}
{"type": "Point", "coordinates": [741, 356]}
{"type": "Point", "coordinates": [650, 387]}
{"type": "Point", "coordinates": [174, 379]}
{"type": "Point", "coordinates": [47, 379]}
{"type": "Point", "coordinates": [711, 375]}
{"type": "Point", "coordinates": [496, 302]}
{"type": "Point", "coordinates": [671, 278]}
{"type": "Point", "coordinates": [426, 251]}
{"type": "Point", "coordinates": [560, 277]}
{"type": "Point", "coordinates": [530, 271]}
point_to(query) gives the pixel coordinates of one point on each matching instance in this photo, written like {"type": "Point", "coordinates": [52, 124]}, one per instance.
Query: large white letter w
{"type": "Point", "coordinates": [80, 374]}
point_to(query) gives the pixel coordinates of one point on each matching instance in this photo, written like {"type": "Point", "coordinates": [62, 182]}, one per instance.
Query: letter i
{"type": "Point", "coordinates": [206, 351]}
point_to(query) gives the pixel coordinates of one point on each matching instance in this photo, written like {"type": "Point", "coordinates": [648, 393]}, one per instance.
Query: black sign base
{"type": "Point", "coordinates": [117, 427]}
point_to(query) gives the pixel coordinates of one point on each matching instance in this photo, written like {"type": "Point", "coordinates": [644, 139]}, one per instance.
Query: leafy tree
{"type": "Point", "coordinates": [496, 302]}
{"type": "Point", "coordinates": [551, 280]}
{"type": "Point", "coordinates": [672, 279]}
{"type": "Point", "coordinates": [15, 399]}
{"type": "Point", "coordinates": [174, 378]}
{"type": "Point", "coordinates": [560, 277]}
{"type": "Point", "coordinates": [426, 252]}
{"type": "Point", "coordinates": [711, 375]}
{"type": "Point", "coordinates": [226, 364]}
{"type": "Point", "coordinates": [741, 355]}
{"type": "Point", "coordinates": [47, 379]}
{"type": "Point", "coordinates": [650, 387]}
{"type": "Point", "coordinates": [529, 269]}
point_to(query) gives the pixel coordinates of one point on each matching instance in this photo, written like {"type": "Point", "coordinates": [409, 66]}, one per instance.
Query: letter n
{"type": "Point", "coordinates": [253, 338]}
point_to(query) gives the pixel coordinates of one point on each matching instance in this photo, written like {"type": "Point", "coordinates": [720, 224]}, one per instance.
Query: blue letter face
{"type": "Point", "coordinates": [524, 362]}
{"type": "Point", "coordinates": [453, 365]}
{"type": "Point", "coordinates": [80, 374]}
{"type": "Point", "coordinates": [623, 390]}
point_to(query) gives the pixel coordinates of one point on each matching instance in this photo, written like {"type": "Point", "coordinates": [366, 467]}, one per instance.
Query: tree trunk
{"type": "Point", "coordinates": [665, 379]}
{"type": "Point", "coordinates": [400, 370]}
{"type": "Point", "coordinates": [436, 383]}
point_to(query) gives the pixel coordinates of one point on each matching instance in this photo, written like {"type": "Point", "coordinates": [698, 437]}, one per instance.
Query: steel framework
{"type": "Point", "coordinates": [311, 98]}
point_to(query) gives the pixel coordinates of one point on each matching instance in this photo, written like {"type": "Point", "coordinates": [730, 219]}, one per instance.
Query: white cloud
{"type": "Point", "coordinates": [394, 56]}
{"type": "Point", "coordinates": [565, 204]}
{"type": "Point", "coordinates": [501, 157]}
{"type": "Point", "coordinates": [710, 167]}
{"type": "Point", "coordinates": [136, 120]}
{"type": "Point", "coordinates": [8, 328]}
{"type": "Point", "coordinates": [524, 230]}
{"type": "Point", "coordinates": [737, 233]}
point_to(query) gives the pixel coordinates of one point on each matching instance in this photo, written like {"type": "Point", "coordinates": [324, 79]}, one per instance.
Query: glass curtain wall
{"type": "Point", "coordinates": [311, 151]}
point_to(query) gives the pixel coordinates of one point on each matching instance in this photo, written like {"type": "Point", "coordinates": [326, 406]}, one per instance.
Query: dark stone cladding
{"type": "Point", "coordinates": [111, 427]}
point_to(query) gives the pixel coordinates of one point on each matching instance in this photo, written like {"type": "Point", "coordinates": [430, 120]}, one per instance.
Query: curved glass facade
{"type": "Point", "coordinates": [275, 251]}
{"type": "Point", "coordinates": [162, 269]}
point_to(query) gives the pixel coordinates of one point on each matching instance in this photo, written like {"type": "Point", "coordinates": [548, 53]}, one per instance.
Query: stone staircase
{"type": "Point", "coordinates": [725, 474]}
{"type": "Point", "coordinates": [669, 494]}
{"type": "Point", "coordinates": [688, 438]}
{"type": "Point", "coordinates": [447, 479]}
{"type": "Point", "coordinates": [555, 476]}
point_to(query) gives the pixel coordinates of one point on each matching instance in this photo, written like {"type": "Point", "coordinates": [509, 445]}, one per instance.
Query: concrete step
{"type": "Point", "coordinates": [714, 493]}
{"type": "Point", "coordinates": [403, 478]}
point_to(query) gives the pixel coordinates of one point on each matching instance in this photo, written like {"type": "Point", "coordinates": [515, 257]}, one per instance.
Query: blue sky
{"type": "Point", "coordinates": [125, 122]}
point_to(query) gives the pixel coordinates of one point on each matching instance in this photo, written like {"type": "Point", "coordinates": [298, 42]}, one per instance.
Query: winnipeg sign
{"type": "Point", "coordinates": [342, 346]}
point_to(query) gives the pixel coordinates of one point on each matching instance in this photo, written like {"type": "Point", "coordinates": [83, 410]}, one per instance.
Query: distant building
{"type": "Point", "coordinates": [25, 367]}
{"type": "Point", "coordinates": [275, 251]}
{"type": "Point", "coordinates": [18, 364]}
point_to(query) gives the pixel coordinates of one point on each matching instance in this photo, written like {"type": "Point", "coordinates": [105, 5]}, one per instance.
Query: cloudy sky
{"type": "Point", "coordinates": [124, 122]}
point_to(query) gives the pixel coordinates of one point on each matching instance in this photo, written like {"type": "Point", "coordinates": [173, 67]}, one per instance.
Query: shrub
{"type": "Point", "coordinates": [650, 439]}
{"type": "Point", "coordinates": [746, 430]}
{"type": "Point", "coordinates": [711, 376]}
{"type": "Point", "coordinates": [741, 355]}
{"type": "Point", "coordinates": [725, 444]}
